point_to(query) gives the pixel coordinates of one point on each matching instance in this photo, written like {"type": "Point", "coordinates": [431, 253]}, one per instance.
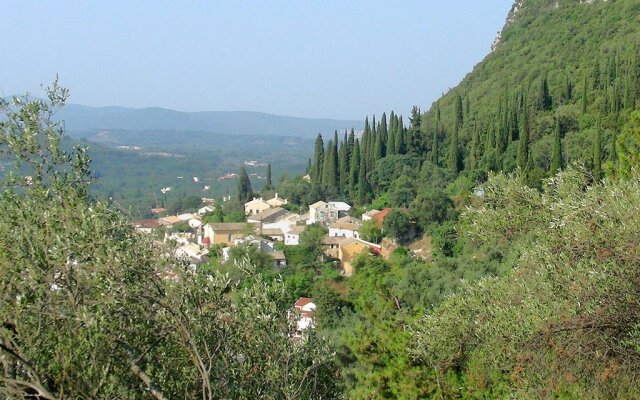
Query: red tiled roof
{"type": "Point", "coordinates": [379, 217]}
{"type": "Point", "coordinates": [302, 301]}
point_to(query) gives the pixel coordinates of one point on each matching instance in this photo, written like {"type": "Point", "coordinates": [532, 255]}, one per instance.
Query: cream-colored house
{"type": "Point", "coordinates": [256, 206]}
{"type": "Point", "coordinates": [226, 233]}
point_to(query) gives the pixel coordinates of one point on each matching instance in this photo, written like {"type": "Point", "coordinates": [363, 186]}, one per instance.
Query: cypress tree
{"type": "Point", "coordinates": [415, 144]}
{"type": "Point", "coordinates": [556, 150]}
{"type": "Point", "coordinates": [318, 160]}
{"type": "Point", "coordinates": [454, 154]}
{"type": "Point", "coordinates": [544, 98]}
{"type": "Point", "coordinates": [354, 168]}
{"type": "Point", "coordinates": [351, 141]}
{"type": "Point", "coordinates": [244, 186]}
{"type": "Point", "coordinates": [269, 185]}
{"type": "Point", "coordinates": [459, 114]}
{"type": "Point", "coordinates": [336, 172]}
{"type": "Point", "coordinates": [584, 94]}
{"type": "Point", "coordinates": [379, 147]}
{"type": "Point", "coordinates": [474, 157]}
{"type": "Point", "coordinates": [597, 84]}
{"type": "Point", "coordinates": [613, 152]}
{"type": "Point", "coordinates": [436, 145]}
{"type": "Point", "coordinates": [343, 161]}
{"type": "Point", "coordinates": [597, 155]}
{"type": "Point", "coordinates": [523, 141]}
{"type": "Point", "coordinates": [400, 137]}
{"type": "Point", "coordinates": [330, 167]}
{"type": "Point", "coordinates": [384, 133]}
{"type": "Point", "coordinates": [363, 184]}
{"type": "Point", "coordinates": [467, 108]}
{"type": "Point", "coordinates": [391, 139]}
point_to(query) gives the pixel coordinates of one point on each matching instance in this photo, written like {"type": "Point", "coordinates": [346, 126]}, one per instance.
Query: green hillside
{"type": "Point", "coordinates": [530, 287]}
{"type": "Point", "coordinates": [587, 57]}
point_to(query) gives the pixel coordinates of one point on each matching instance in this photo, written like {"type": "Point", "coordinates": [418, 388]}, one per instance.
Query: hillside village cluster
{"type": "Point", "coordinates": [267, 223]}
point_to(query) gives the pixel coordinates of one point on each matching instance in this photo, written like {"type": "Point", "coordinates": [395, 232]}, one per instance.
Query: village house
{"type": "Point", "coordinates": [345, 227]}
{"type": "Point", "coordinates": [349, 249]}
{"type": "Point", "coordinates": [194, 252]}
{"type": "Point", "coordinates": [146, 225]}
{"type": "Point", "coordinates": [270, 216]}
{"type": "Point", "coordinates": [169, 221]}
{"type": "Point", "coordinates": [276, 234]}
{"type": "Point", "coordinates": [331, 244]}
{"type": "Point", "coordinates": [226, 233]}
{"type": "Point", "coordinates": [322, 213]}
{"type": "Point", "coordinates": [206, 209]}
{"type": "Point", "coordinates": [304, 309]}
{"type": "Point", "coordinates": [292, 236]}
{"type": "Point", "coordinates": [258, 205]}
{"type": "Point", "coordinates": [342, 207]}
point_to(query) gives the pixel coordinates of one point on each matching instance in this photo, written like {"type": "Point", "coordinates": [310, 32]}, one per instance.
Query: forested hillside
{"type": "Point", "coordinates": [560, 87]}
{"type": "Point", "coordinates": [524, 179]}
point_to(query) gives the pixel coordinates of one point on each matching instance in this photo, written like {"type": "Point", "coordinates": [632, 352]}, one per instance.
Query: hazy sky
{"type": "Point", "coordinates": [334, 59]}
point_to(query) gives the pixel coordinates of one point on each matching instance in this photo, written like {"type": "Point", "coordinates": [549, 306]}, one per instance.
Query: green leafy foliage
{"type": "Point", "coordinates": [91, 309]}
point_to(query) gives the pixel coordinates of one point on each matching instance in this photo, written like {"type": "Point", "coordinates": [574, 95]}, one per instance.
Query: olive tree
{"type": "Point", "coordinates": [89, 309]}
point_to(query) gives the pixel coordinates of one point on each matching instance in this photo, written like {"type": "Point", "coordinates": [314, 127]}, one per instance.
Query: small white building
{"type": "Point", "coordinates": [342, 207]}
{"type": "Point", "coordinates": [205, 209]}
{"type": "Point", "coordinates": [191, 250]}
{"type": "Point", "coordinates": [304, 309]}
{"type": "Point", "coordinates": [345, 227]}
{"type": "Point", "coordinates": [292, 236]}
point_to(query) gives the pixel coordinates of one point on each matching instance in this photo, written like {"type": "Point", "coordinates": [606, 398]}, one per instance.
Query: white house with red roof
{"type": "Point", "coordinates": [304, 308]}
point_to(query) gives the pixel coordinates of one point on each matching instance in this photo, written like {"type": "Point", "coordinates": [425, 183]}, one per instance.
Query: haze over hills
{"type": "Point", "coordinates": [80, 120]}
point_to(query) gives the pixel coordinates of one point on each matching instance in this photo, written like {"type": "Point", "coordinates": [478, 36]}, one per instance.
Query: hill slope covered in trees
{"type": "Point", "coordinates": [525, 178]}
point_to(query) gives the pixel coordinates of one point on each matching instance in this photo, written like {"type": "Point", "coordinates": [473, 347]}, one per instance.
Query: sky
{"type": "Point", "coordinates": [317, 59]}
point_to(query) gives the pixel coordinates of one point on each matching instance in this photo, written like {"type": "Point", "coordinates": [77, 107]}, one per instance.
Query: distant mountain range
{"type": "Point", "coordinates": [89, 120]}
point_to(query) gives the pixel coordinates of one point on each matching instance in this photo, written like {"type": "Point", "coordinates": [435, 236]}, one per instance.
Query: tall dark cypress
{"type": "Point", "coordinates": [544, 98]}
{"type": "Point", "coordinates": [269, 185]}
{"type": "Point", "coordinates": [454, 153]}
{"type": "Point", "coordinates": [354, 169]}
{"type": "Point", "coordinates": [351, 141]}
{"type": "Point", "coordinates": [391, 139]}
{"type": "Point", "coordinates": [384, 134]}
{"type": "Point", "coordinates": [400, 137]}
{"type": "Point", "coordinates": [596, 77]}
{"type": "Point", "coordinates": [459, 113]}
{"type": "Point", "coordinates": [336, 160]}
{"type": "Point", "coordinates": [523, 140]}
{"type": "Point", "coordinates": [415, 142]}
{"type": "Point", "coordinates": [556, 150]}
{"type": "Point", "coordinates": [435, 149]}
{"type": "Point", "coordinates": [330, 167]}
{"type": "Point", "coordinates": [244, 186]}
{"type": "Point", "coordinates": [597, 155]}
{"type": "Point", "coordinates": [363, 184]}
{"type": "Point", "coordinates": [343, 161]}
{"type": "Point", "coordinates": [318, 160]}
{"type": "Point", "coordinates": [474, 156]}
{"type": "Point", "coordinates": [584, 94]}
